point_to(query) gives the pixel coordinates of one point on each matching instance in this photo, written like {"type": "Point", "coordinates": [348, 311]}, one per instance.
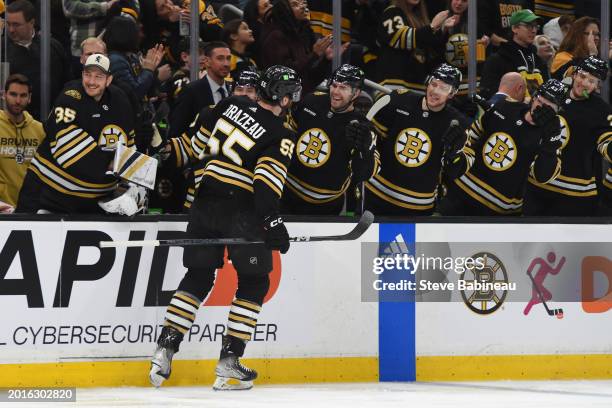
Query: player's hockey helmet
{"type": "Point", "coordinates": [447, 73]}
{"type": "Point", "coordinates": [595, 66]}
{"type": "Point", "coordinates": [279, 81]}
{"type": "Point", "coordinates": [553, 90]}
{"type": "Point", "coordinates": [248, 77]}
{"type": "Point", "coordinates": [348, 74]}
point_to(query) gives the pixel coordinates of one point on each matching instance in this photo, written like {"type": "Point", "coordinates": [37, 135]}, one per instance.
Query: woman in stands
{"type": "Point", "coordinates": [238, 35]}
{"type": "Point", "coordinates": [581, 41]}
{"type": "Point", "coordinates": [288, 40]}
{"type": "Point", "coordinates": [407, 39]}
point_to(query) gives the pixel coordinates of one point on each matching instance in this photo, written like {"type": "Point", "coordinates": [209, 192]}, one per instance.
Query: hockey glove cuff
{"type": "Point", "coordinates": [276, 235]}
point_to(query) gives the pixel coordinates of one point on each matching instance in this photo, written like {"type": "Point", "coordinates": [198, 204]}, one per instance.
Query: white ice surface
{"type": "Point", "coordinates": [515, 394]}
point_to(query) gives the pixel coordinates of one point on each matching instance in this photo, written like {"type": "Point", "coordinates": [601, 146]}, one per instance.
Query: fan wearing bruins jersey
{"type": "Point", "coordinates": [248, 150]}
{"type": "Point", "coordinates": [406, 39]}
{"type": "Point", "coordinates": [505, 145]}
{"type": "Point", "coordinates": [335, 145]}
{"type": "Point", "coordinates": [586, 138]}
{"type": "Point", "coordinates": [412, 128]}
{"type": "Point", "coordinates": [88, 116]}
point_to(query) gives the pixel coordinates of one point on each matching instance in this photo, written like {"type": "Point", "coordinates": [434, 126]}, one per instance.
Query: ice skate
{"type": "Point", "coordinates": [161, 363]}
{"type": "Point", "coordinates": [231, 375]}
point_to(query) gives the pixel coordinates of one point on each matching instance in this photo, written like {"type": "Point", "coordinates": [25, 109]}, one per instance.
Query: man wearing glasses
{"type": "Point", "coordinates": [586, 123]}
{"type": "Point", "coordinates": [518, 55]}
{"type": "Point", "coordinates": [505, 145]}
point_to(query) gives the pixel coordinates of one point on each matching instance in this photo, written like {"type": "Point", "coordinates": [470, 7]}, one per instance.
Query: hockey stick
{"type": "Point", "coordinates": [364, 223]}
{"type": "Point", "coordinates": [554, 312]}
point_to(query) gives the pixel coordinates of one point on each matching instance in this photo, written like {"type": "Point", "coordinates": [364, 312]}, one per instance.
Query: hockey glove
{"type": "Point", "coordinates": [359, 136]}
{"type": "Point", "coordinates": [547, 119]}
{"type": "Point", "coordinates": [544, 115]}
{"type": "Point", "coordinates": [453, 139]}
{"type": "Point", "coordinates": [276, 235]}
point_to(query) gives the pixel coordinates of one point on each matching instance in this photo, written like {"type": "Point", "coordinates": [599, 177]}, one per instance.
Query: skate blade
{"type": "Point", "coordinates": [155, 378]}
{"type": "Point", "coordinates": [231, 384]}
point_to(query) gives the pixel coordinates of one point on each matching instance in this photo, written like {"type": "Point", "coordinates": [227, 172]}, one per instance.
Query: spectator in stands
{"type": "Point", "coordinates": [254, 12]}
{"type": "Point", "coordinates": [182, 75]}
{"type": "Point", "coordinates": [546, 9]}
{"type": "Point", "coordinates": [407, 40]}
{"type": "Point", "coordinates": [23, 53]}
{"type": "Point", "coordinates": [129, 73]}
{"type": "Point", "coordinates": [511, 88]}
{"type": "Point", "coordinates": [20, 135]}
{"type": "Point", "coordinates": [162, 23]}
{"type": "Point", "coordinates": [89, 17]}
{"type": "Point", "coordinates": [288, 40]}
{"type": "Point", "coordinates": [238, 36]}
{"type": "Point", "coordinates": [581, 41]}
{"type": "Point", "coordinates": [518, 55]}
{"type": "Point", "coordinates": [455, 55]}
{"type": "Point", "coordinates": [557, 28]}
{"type": "Point", "coordinates": [204, 92]}
{"type": "Point", "coordinates": [494, 15]}
{"type": "Point", "coordinates": [89, 46]}
{"type": "Point", "coordinates": [546, 51]}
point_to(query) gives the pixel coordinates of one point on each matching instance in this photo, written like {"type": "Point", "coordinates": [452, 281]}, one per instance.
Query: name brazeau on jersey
{"type": "Point", "coordinates": [245, 121]}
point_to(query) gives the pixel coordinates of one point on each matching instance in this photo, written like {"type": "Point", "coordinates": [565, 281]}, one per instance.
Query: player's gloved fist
{"type": "Point", "coordinates": [544, 115]}
{"type": "Point", "coordinates": [359, 135]}
{"type": "Point", "coordinates": [276, 235]}
{"type": "Point", "coordinates": [453, 140]}
{"type": "Point", "coordinates": [547, 119]}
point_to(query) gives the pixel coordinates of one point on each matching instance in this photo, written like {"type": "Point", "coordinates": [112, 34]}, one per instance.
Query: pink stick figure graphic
{"type": "Point", "coordinates": [545, 269]}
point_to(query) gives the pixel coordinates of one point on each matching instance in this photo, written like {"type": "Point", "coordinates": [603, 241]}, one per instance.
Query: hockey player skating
{"type": "Point", "coordinates": [505, 145]}
{"type": "Point", "coordinates": [414, 133]}
{"type": "Point", "coordinates": [248, 151]}
{"type": "Point", "coordinates": [335, 145]}
{"type": "Point", "coordinates": [587, 137]}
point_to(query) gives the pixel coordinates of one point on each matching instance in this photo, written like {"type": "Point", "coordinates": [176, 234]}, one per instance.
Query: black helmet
{"type": "Point", "coordinates": [279, 81]}
{"type": "Point", "coordinates": [553, 90]}
{"type": "Point", "coordinates": [447, 73]}
{"type": "Point", "coordinates": [595, 66]}
{"type": "Point", "coordinates": [248, 77]}
{"type": "Point", "coordinates": [348, 74]}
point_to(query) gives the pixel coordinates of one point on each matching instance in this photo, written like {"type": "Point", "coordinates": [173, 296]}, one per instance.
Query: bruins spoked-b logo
{"type": "Point", "coordinates": [314, 147]}
{"type": "Point", "coordinates": [112, 134]}
{"type": "Point", "coordinates": [485, 287]}
{"type": "Point", "coordinates": [455, 54]}
{"type": "Point", "coordinates": [413, 147]}
{"type": "Point", "coordinates": [499, 152]}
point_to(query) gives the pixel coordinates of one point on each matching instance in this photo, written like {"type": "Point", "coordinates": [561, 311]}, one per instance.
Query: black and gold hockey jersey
{"type": "Point", "coordinates": [183, 157]}
{"type": "Point", "coordinates": [247, 150]}
{"type": "Point", "coordinates": [324, 162]}
{"type": "Point", "coordinates": [411, 152]}
{"type": "Point", "coordinates": [72, 163]}
{"type": "Point", "coordinates": [403, 61]}
{"type": "Point", "coordinates": [174, 86]}
{"type": "Point", "coordinates": [586, 134]}
{"type": "Point", "coordinates": [322, 19]}
{"type": "Point", "coordinates": [501, 151]}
